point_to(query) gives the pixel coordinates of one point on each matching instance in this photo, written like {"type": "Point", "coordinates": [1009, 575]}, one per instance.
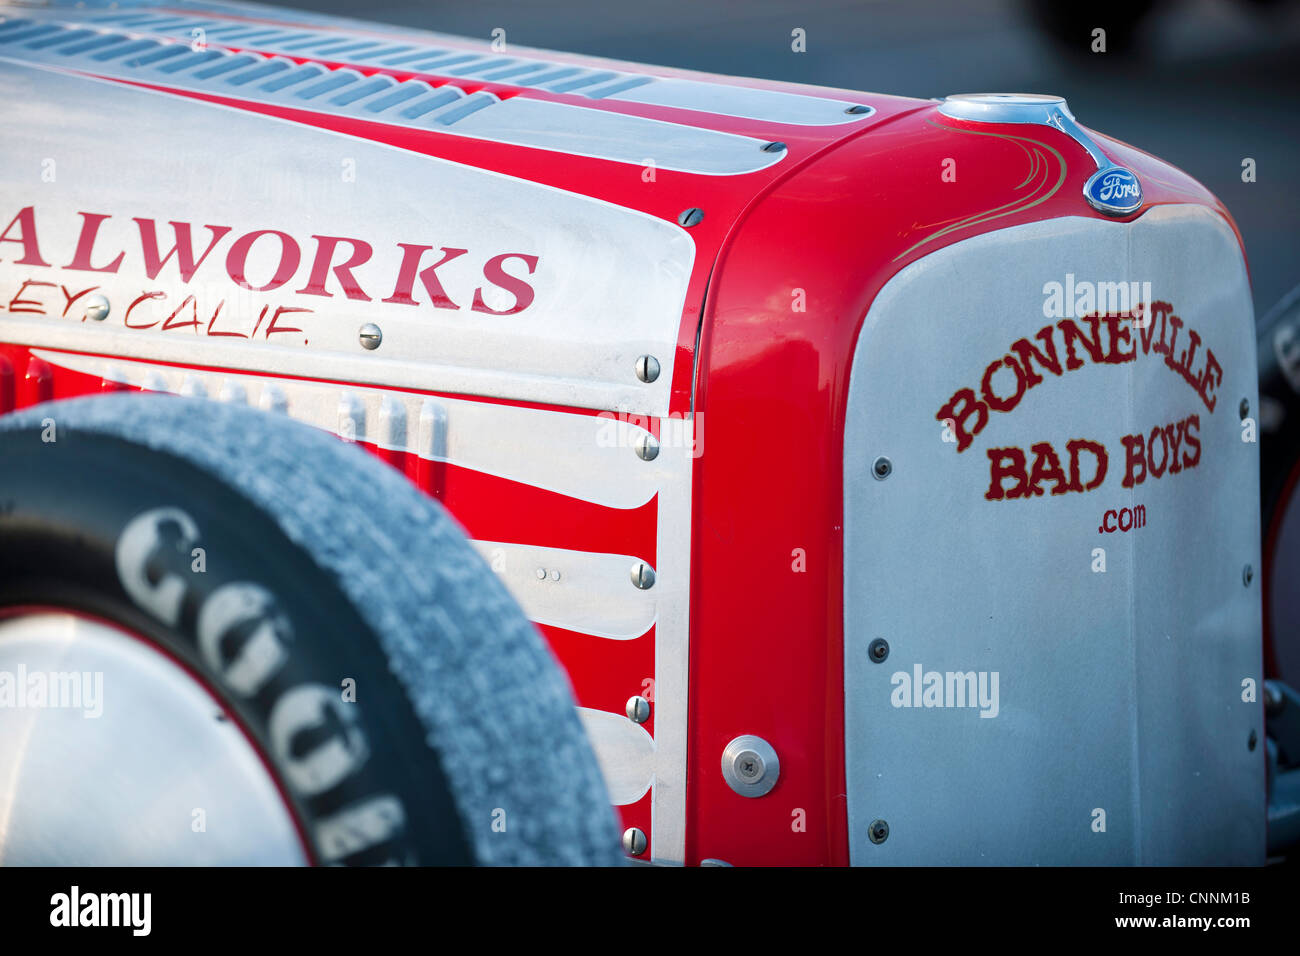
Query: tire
{"type": "Point", "coordinates": [316, 566]}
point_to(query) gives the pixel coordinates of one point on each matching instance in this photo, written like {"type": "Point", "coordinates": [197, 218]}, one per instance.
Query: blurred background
{"type": "Point", "coordinates": [1203, 84]}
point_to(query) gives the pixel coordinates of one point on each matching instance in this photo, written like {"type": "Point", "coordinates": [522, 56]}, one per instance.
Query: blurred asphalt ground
{"type": "Point", "coordinates": [1204, 85]}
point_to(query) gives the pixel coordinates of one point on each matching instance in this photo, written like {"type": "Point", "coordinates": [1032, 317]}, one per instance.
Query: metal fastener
{"type": "Point", "coordinates": [858, 110]}
{"type": "Point", "coordinates": [647, 368]}
{"type": "Point", "coordinates": [1247, 575]}
{"type": "Point", "coordinates": [97, 307]}
{"type": "Point", "coordinates": [750, 766]}
{"type": "Point", "coordinates": [878, 831]}
{"type": "Point", "coordinates": [541, 574]}
{"type": "Point", "coordinates": [774, 147]}
{"type": "Point", "coordinates": [691, 217]}
{"type": "Point", "coordinates": [634, 841]}
{"type": "Point", "coordinates": [555, 575]}
{"type": "Point", "coordinates": [647, 447]}
{"type": "Point", "coordinates": [1244, 409]}
{"type": "Point", "coordinates": [370, 336]}
{"type": "Point", "coordinates": [643, 576]}
{"type": "Point", "coordinates": [1251, 741]}
{"type": "Point", "coordinates": [638, 709]}
{"type": "Point", "coordinates": [882, 468]}
{"type": "Point", "coordinates": [878, 650]}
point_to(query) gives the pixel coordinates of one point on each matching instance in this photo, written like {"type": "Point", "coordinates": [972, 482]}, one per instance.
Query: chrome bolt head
{"type": "Point", "coordinates": [370, 336]}
{"type": "Point", "coordinates": [643, 576]}
{"type": "Point", "coordinates": [691, 217]}
{"type": "Point", "coordinates": [647, 447]}
{"type": "Point", "coordinates": [634, 841]}
{"type": "Point", "coordinates": [750, 766]}
{"type": "Point", "coordinates": [647, 368]}
{"type": "Point", "coordinates": [638, 710]}
{"type": "Point", "coordinates": [97, 307]}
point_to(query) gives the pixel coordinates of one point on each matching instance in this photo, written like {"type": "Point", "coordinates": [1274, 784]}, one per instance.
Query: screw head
{"type": "Point", "coordinates": [882, 468]}
{"type": "Point", "coordinates": [858, 110]}
{"type": "Point", "coordinates": [878, 831]}
{"type": "Point", "coordinates": [634, 841]}
{"type": "Point", "coordinates": [690, 217]}
{"type": "Point", "coordinates": [774, 147]}
{"type": "Point", "coordinates": [1247, 575]}
{"type": "Point", "coordinates": [750, 766]}
{"type": "Point", "coordinates": [647, 368]}
{"type": "Point", "coordinates": [643, 576]}
{"type": "Point", "coordinates": [638, 709]}
{"type": "Point", "coordinates": [647, 447]}
{"type": "Point", "coordinates": [97, 307]}
{"type": "Point", "coordinates": [370, 336]}
{"type": "Point", "coordinates": [878, 650]}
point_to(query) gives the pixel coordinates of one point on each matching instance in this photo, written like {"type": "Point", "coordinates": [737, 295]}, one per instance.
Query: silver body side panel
{"type": "Point", "coordinates": [1119, 733]}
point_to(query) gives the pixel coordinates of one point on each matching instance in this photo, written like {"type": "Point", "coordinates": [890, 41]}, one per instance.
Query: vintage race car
{"type": "Point", "coordinates": [881, 472]}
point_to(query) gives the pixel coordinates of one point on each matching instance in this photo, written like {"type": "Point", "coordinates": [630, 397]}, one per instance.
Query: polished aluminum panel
{"type": "Point", "coordinates": [456, 57]}
{"type": "Point", "coordinates": [312, 86]}
{"type": "Point", "coordinates": [1112, 726]}
{"type": "Point", "coordinates": [608, 284]}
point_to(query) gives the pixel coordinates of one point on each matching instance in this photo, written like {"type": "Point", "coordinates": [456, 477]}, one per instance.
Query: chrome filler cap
{"type": "Point", "coordinates": [1112, 189]}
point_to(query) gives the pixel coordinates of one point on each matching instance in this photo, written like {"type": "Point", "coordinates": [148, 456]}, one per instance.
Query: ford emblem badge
{"type": "Point", "coordinates": [1113, 190]}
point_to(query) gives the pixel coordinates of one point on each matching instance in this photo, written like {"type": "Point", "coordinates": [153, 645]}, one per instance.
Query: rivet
{"type": "Point", "coordinates": [643, 576]}
{"type": "Point", "coordinates": [878, 831]}
{"type": "Point", "coordinates": [774, 147]}
{"type": "Point", "coordinates": [541, 574]}
{"type": "Point", "coordinates": [690, 217]}
{"type": "Point", "coordinates": [97, 307]}
{"type": "Point", "coordinates": [1244, 409]}
{"type": "Point", "coordinates": [1247, 575]}
{"type": "Point", "coordinates": [638, 709]}
{"type": "Point", "coordinates": [647, 447]}
{"type": "Point", "coordinates": [882, 468]}
{"type": "Point", "coordinates": [555, 575]}
{"type": "Point", "coordinates": [634, 841]}
{"type": "Point", "coordinates": [370, 336]}
{"type": "Point", "coordinates": [858, 110]}
{"type": "Point", "coordinates": [647, 368]}
{"type": "Point", "coordinates": [750, 766]}
{"type": "Point", "coordinates": [1251, 741]}
{"type": "Point", "coordinates": [878, 650]}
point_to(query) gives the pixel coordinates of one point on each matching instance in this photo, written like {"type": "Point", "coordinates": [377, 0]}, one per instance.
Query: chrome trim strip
{"type": "Point", "coordinates": [625, 751]}
{"type": "Point", "coordinates": [579, 591]}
